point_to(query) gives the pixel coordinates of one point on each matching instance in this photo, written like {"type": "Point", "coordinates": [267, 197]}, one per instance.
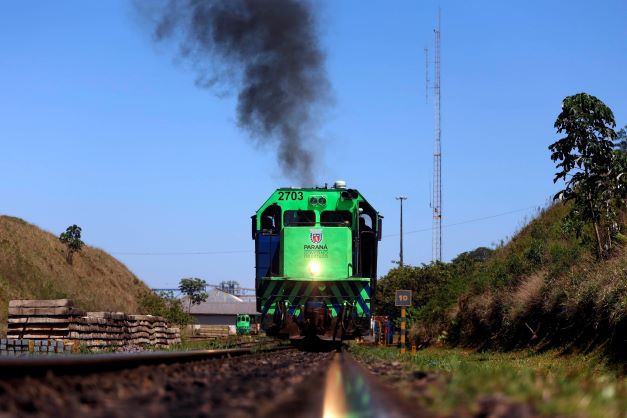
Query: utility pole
{"type": "Point", "coordinates": [437, 157]}
{"type": "Point", "coordinates": [401, 198]}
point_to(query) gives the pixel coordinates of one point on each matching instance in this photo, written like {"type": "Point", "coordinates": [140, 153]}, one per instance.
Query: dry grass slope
{"type": "Point", "coordinates": [546, 288]}
{"type": "Point", "coordinates": [33, 265]}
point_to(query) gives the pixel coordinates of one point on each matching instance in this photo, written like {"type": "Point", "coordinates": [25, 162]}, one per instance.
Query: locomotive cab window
{"type": "Point", "coordinates": [271, 220]}
{"type": "Point", "coordinates": [365, 222]}
{"type": "Point", "coordinates": [299, 218]}
{"type": "Point", "coordinates": [367, 241]}
{"type": "Point", "coordinates": [336, 218]}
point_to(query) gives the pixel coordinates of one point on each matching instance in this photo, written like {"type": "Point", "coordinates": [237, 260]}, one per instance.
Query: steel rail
{"type": "Point", "coordinates": [351, 390]}
{"type": "Point", "coordinates": [65, 364]}
{"type": "Point", "coordinates": [342, 389]}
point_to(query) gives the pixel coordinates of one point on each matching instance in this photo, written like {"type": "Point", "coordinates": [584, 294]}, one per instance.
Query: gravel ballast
{"type": "Point", "coordinates": [236, 387]}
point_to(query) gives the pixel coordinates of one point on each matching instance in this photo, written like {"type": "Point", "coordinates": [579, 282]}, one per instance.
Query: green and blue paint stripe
{"type": "Point", "coordinates": [297, 292]}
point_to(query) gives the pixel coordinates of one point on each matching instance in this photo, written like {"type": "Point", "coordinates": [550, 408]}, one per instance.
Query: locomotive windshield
{"type": "Point", "coordinates": [336, 218]}
{"type": "Point", "coordinates": [299, 218]}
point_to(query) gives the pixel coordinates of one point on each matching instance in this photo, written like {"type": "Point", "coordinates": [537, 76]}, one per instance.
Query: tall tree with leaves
{"type": "Point", "coordinates": [621, 140]}
{"type": "Point", "coordinates": [586, 162]}
{"type": "Point", "coordinates": [194, 289]}
{"type": "Point", "coordinates": [620, 162]}
{"type": "Point", "coordinates": [72, 240]}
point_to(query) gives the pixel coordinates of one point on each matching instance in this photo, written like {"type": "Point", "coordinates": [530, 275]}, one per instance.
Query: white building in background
{"type": "Point", "coordinates": [221, 308]}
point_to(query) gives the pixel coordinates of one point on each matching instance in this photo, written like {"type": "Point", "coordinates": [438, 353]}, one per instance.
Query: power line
{"type": "Point", "coordinates": [415, 231]}
{"type": "Point", "coordinates": [185, 252]}
{"type": "Point", "coordinates": [490, 217]}
{"type": "Point", "coordinates": [465, 222]}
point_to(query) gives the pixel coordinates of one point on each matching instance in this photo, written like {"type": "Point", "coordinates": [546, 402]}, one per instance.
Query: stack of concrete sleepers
{"type": "Point", "coordinates": [57, 319]}
{"type": "Point", "coordinates": [42, 319]}
{"type": "Point", "coordinates": [153, 330]}
{"type": "Point", "coordinates": [101, 330]}
{"type": "Point", "coordinates": [173, 335]}
{"type": "Point", "coordinates": [146, 329]}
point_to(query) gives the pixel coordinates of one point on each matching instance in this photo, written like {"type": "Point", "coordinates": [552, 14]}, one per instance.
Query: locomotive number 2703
{"type": "Point", "coordinates": [290, 195]}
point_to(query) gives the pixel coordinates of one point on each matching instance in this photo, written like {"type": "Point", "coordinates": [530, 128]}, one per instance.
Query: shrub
{"type": "Point", "coordinates": [72, 240]}
{"type": "Point", "coordinates": [166, 305]}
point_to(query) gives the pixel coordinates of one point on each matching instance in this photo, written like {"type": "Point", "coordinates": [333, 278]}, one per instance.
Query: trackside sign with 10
{"type": "Point", "coordinates": [403, 298]}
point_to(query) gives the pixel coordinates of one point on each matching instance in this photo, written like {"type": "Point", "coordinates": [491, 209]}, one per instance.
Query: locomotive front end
{"type": "Point", "coordinates": [316, 255]}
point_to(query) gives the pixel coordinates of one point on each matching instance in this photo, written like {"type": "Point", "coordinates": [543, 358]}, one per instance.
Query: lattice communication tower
{"type": "Point", "coordinates": [437, 157]}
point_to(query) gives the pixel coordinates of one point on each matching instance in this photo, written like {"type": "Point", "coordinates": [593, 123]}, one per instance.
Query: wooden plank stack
{"type": "Point", "coordinates": [211, 331]}
{"type": "Point", "coordinates": [41, 319]}
{"type": "Point", "coordinates": [59, 320]}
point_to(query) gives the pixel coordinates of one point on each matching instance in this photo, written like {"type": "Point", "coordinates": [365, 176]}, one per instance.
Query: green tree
{"type": "Point", "coordinates": [620, 161]}
{"type": "Point", "coordinates": [72, 240]}
{"type": "Point", "coordinates": [586, 163]}
{"type": "Point", "coordinates": [433, 294]}
{"type": "Point", "coordinates": [479, 254]}
{"type": "Point", "coordinates": [194, 289]}
{"type": "Point", "coordinates": [166, 305]}
{"type": "Point", "coordinates": [621, 140]}
{"type": "Point", "coordinates": [424, 282]}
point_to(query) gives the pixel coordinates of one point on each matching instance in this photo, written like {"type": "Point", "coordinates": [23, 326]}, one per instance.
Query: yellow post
{"type": "Point", "coordinates": [413, 349]}
{"type": "Point", "coordinates": [403, 330]}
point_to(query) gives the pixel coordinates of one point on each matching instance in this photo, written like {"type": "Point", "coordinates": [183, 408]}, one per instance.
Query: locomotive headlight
{"type": "Point", "coordinates": [314, 268]}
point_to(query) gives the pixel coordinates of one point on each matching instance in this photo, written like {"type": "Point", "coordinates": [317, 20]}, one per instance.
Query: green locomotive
{"type": "Point", "coordinates": [316, 262]}
{"type": "Point", "coordinates": [242, 325]}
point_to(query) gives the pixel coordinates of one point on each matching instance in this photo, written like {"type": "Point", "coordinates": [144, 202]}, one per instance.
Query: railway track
{"type": "Point", "coordinates": [345, 389]}
{"type": "Point", "coordinates": [279, 382]}
{"type": "Point", "coordinates": [352, 391]}
{"type": "Point", "coordinates": [94, 363]}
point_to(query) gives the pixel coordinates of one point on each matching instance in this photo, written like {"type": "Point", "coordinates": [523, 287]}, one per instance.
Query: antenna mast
{"type": "Point", "coordinates": [437, 157]}
{"type": "Point", "coordinates": [426, 75]}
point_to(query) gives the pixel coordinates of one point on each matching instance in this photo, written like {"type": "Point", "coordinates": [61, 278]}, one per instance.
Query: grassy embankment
{"type": "Point", "coordinates": [33, 266]}
{"type": "Point", "coordinates": [456, 382]}
{"type": "Point", "coordinates": [544, 288]}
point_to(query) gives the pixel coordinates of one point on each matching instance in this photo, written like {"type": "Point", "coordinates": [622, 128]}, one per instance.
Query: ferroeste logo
{"type": "Point", "coordinates": [316, 249]}
{"type": "Point", "coordinates": [315, 235]}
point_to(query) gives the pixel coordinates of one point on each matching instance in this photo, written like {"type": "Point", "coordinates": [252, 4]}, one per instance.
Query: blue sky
{"type": "Point", "coordinates": [101, 127]}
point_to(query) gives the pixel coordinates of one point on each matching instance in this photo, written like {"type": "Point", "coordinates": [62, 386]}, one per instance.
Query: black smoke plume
{"type": "Point", "coordinates": [269, 51]}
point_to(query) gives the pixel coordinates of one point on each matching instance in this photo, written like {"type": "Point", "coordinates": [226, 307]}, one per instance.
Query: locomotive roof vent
{"type": "Point", "coordinates": [339, 184]}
